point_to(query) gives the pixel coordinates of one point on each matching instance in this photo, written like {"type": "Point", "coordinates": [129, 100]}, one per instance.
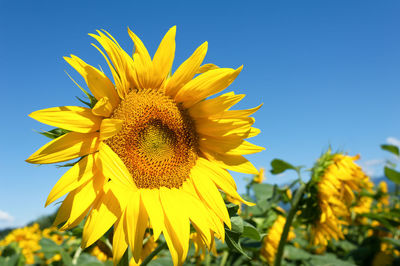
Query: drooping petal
{"type": "Point", "coordinates": [120, 242]}
{"type": "Point", "coordinates": [104, 214]}
{"type": "Point", "coordinates": [69, 146]}
{"type": "Point", "coordinates": [136, 223]}
{"type": "Point", "coordinates": [152, 203]}
{"type": "Point", "coordinates": [96, 80]}
{"type": "Point", "coordinates": [235, 163]}
{"type": "Point", "coordinates": [110, 127]}
{"type": "Point", "coordinates": [207, 190]}
{"type": "Point", "coordinates": [73, 118]}
{"type": "Point", "coordinates": [205, 85]}
{"type": "Point", "coordinates": [186, 71]}
{"type": "Point", "coordinates": [222, 179]}
{"type": "Point", "coordinates": [81, 172]}
{"type": "Point", "coordinates": [78, 202]}
{"type": "Point", "coordinates": [177, 229]}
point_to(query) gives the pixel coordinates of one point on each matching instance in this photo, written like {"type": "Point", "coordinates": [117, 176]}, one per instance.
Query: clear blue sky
{"type": "Point", "coordinates": [328, 73]}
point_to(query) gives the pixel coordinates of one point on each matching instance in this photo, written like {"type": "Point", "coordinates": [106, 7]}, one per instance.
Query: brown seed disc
{"type": "Point", "coordinates": [157, 142]}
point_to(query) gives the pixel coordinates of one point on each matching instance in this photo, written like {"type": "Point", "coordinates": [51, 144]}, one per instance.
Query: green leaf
{"type": "Point", "coordinates": [49, 247]}
{"type": "Point", "coordinates": [391, 148]}
{"type": "Point", "coordinates": [84, 102]}
{"type": "Point", "coordinates": [263, 191]}
{"type": "Point", "coordinates": [294, 253]}
{"type": "Point", "coordinates": [54, 133]}
{"type": "Point", "coordinates": [392, 175]}
{"type": "Point", "coordinates": [66, 258]}
{"type": "Point", "coordinates": [280, 166]}
{"type": "Point", "coordinates": [395, 242]}
{"type": "Point", "coordinates": [237, 224]}
{"type": "Point", "coordinates": [232, 240]}
{"type": "Point", "coordinates": [232, 209]}
{"type": "Point", "coordinates": [329, 259]}
{"type": "Point", "coordinates": [250, 231]}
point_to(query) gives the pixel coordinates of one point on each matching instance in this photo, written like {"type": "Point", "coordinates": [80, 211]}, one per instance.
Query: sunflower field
{"type": "Point", "coordinates": [150, 155]}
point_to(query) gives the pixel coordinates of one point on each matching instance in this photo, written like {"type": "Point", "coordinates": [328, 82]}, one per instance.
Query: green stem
{"type": "Point", "coordinates": [125, 259]}
{"type": "Point", "coordinates": [154, 253]}
{"type": "Point", "coordinates": [76, 255]}
{"type": "Point", "coordinates": [289, 220]}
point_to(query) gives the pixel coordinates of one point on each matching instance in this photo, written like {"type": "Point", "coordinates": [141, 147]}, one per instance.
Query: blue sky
{"type": "Point", "coordinates": [326, 71]}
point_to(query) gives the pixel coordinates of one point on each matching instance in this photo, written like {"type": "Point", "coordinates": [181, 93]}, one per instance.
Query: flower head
{"type": "Point", "coordinates": [259, 178]}
{"type": "Point", "coordinates": [271, 240]}
{"type": "Point", "coordinates": [336, 177]}
{"type": "Point", "coordinates": [153, 149]}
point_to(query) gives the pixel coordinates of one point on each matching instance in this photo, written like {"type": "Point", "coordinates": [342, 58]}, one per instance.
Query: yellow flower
{"type": "Point", "coordinates": [336, 183]}
{"type": "Point", "coordinates": [200, 246]}
{"type": "Point", "coordinates": [271, 240]}
{"type": "Point", "coordinates": [259, 178]}
{"type": "Point", "coordinates": [153, 149]}
{"type": "Point", "coordinates": [27, 239]}
{"type": "Point", "coordinates": [99, 254]}
{"type": "Point", "coordinates": [148, 247]}
{"type": "Point", "coordinates": [384, 200]}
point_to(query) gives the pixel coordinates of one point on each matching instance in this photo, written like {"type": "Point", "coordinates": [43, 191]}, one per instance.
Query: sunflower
{"type": "Point", "coordinates": [153, 151]}
{"type": "Point", "coordinates": [336, 177]}
{"type": "Point", "coordinates": [259, 178]}
{"type": "Point", "coordinates": [271, 240]}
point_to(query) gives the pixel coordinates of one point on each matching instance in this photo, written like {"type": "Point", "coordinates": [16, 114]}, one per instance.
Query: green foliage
{"type": "Point", "coordinates": [391, 148]}
{"type": "Point", "coordinates": [392, 175]}
{"type": "Point", "coordinates": [280, 166]}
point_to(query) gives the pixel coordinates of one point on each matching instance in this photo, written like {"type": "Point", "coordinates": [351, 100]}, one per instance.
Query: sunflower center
{"type": "Point", "coordinates": [157, 142]}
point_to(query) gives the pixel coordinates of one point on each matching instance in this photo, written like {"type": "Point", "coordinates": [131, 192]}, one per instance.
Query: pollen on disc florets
{"type": "Point", "coordinates": [157, 142]}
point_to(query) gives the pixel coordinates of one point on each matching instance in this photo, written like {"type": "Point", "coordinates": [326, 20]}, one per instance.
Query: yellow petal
{"type": "Point", "coordinates": [151, 201]}
{"type": "Point", "coordinates": [120, 243]}
{"type": "Point", "coordinates": [207, 190]}
{"type": "Point", "coordinates": [164, 55]}
{"type": "Point", "coordinates": [205, 85]}
{"type": "Point", "coordinates": [104, 214]}
{"type": "Point", "coordinates": [122, 64]}
{"type": "Point", "coordinates": [103, 107]}
{"type": "Point", "coordinates": [143, 65]}
{"type": "Point", "coordinates": [216, 105]}
{"type": "Point", "coordinates": [177, 226]}
{"type": "Point", "coordinates": [215, 223]}
{"type": "Point", "coordinates": [79, 201]}
{"type": "Point", "coordinates": [136, 223]}
{"type": "Point", "coordinates": [73, 118]}
{"type": "Point", "coordinates": [186, 71]}
{"type": "Point", "coordinates": [69, 146]}
{"type": "Point", "coordinates": [110, 127]}
{"type": "Point", "coordinates": [222, 179]}
{"type": "Point", "coordinates": [113, 167]}
{"type": "Point", "coordinates": [235, 113]}
{"type": "Point", "coordinates": [229, 146]}
{"type": "Point", "coordinates": [206, 67]}
{"type": "Point", "coordinates": [96, 80]}
{"type": "Point", "coordinates": [223, 127]}
{"type": "Point", "coordinates": [231, 162]}
{"type": "Point", "coordinates": [81, 172]}
{"type": "Point", "coordinates": [198, 214]}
